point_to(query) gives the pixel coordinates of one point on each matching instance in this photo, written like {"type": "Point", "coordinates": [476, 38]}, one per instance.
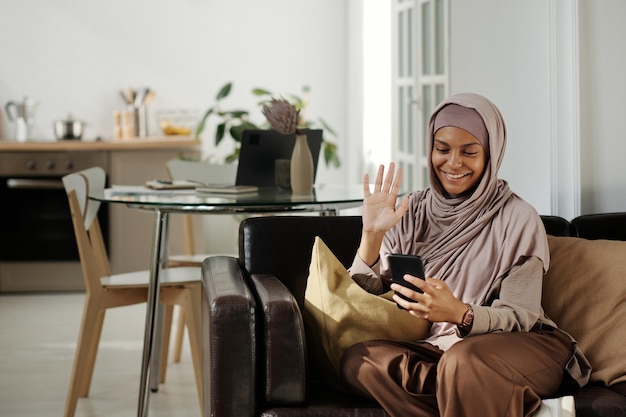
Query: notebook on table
{"type": "Point", "coordinates": [257, 160]}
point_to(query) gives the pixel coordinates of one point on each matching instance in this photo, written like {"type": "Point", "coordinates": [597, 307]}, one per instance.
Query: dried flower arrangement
{"type": "Point", "coordinates": [234, 122]}
{"type": "Point", "coordinates": [282, 116]}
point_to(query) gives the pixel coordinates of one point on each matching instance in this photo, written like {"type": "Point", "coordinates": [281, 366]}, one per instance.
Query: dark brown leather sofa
{"type": "Point", "coordinates": [255, 355]}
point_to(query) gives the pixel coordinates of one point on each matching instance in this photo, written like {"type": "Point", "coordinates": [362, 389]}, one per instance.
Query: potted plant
{"type": "Point", "coordinates": [234, 122]}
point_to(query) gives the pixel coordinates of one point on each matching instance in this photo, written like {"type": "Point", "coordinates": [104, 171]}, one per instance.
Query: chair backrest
{"type": "Point", "coordinates": [206, 173]}
{"type": "Point", "coordinates": [282, 245]}
{"type": "Point", "coordinates": [93, 257]}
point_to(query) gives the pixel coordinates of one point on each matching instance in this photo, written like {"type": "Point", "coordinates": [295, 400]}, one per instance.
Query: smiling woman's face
{"type": "Point", "coordinates": [458, 159]}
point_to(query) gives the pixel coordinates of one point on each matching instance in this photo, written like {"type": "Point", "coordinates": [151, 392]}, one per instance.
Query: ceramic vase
{"type": "Point", "coordinates": [301, 168]}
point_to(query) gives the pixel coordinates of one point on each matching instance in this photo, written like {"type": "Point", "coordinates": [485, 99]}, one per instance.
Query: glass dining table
{"type": "Point", "coordinates": [325, 199]}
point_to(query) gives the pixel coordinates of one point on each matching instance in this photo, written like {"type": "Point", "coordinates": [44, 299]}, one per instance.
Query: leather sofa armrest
{"type": "Point", "coordinates": [228, 333]}
{"type": "Point", "coordinates": [284, 343]}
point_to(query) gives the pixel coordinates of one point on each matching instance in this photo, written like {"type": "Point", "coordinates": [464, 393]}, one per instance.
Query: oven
{"type": "Point", "coordinates": [37, 244]}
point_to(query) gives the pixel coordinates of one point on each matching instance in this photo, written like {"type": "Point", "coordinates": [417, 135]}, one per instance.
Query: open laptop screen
{"type": "Point", "coordinates": [261, 148]}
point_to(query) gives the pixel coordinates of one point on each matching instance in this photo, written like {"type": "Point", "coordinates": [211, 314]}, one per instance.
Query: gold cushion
{"type": "Point", "coordinates": [339, 313]}
{"type": "Point", "coordinates": [584, 292]}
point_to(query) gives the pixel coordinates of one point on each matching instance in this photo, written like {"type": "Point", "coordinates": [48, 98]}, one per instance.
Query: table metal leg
{"type": "Point", "coordinates": [151, 316]}
{"type": "Point", "coordinates": [155, 367]}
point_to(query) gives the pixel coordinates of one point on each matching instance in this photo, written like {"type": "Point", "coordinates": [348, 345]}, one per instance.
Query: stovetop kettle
{"type": "Point", "coordinates": [23, 115]}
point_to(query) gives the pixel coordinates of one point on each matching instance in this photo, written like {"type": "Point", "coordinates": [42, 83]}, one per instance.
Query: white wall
{"type": "Point", "coordinates": [501, 48]}
{"type": "Point", "coordinates": [74, 56]}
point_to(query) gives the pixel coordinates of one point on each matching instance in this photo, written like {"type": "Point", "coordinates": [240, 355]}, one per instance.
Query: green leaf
{"type": "Point", "coordinates": [237, 114]}
{"type": "Point", "coordinates": [233, 156]}
{"type": "Point", "coordinates": [297, 102]}
{"type": "Point", "coordinates": [327, 128]}
{"type": "Point", "coordinates": [306, 89]}
{"type": "Point", "coordinates": [236, 132]}
{"type": "Point", "coordinates": [263, 102]}
{"type": "Point", "coordinates": [202, 122]}
{"type": "Point", "coordinates": [219, 133]}
{"type": "Point", "coordinates": [330, 155]}
{"type": "Point", "coordinates": [261, 92]}
{"type": "Point", "coordinates": [249, 125]}
{"type": "Point", "coordinates": [224, 91]}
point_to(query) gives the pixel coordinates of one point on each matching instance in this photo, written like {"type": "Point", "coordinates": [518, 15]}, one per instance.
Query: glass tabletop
{"type": "Point", "coordinates": [323, 197]}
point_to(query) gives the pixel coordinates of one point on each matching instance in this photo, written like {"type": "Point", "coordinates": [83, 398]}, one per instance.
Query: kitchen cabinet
{"type": "Point", "coordinates": [131, 230]}
{"type": "Point", "coordinates": [130, 162]}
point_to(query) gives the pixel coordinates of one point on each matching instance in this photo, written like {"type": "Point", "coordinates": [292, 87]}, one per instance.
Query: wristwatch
{"type": "Point", "coordinates": [468, 318]}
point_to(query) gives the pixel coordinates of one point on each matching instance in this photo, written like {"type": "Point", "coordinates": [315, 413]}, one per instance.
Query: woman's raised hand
{"type": "Point", "coordinates": [379, 206]}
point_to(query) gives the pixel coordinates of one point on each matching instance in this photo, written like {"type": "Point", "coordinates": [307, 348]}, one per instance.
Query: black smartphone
{"type": "Point", "coordinates": [405, 264]}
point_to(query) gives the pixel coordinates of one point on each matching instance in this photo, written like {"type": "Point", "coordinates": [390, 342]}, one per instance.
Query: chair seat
{"type": "Point", "coordinates": [188, 259]}
{"type": "Point", "coordinates": [167, 276]}
{"type": "Point", "coordinates": [193, 260]}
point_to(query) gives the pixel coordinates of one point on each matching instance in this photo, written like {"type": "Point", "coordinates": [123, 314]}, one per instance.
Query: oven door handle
{"type": "Point", "coordinates": [34, 184]}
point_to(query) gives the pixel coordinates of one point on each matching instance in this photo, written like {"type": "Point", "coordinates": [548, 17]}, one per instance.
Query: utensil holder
{"type": "Point", "coordinates": [140, 121]}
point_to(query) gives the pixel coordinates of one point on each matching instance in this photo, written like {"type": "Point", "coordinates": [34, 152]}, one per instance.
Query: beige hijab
{"type": "Point", "coordinates": [471, 240]}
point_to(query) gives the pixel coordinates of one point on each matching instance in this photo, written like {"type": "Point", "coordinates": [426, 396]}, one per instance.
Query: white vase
{"type": "Point", "coordinates": [301, 169]}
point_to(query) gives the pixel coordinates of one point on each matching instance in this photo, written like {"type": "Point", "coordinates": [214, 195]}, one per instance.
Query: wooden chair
{"type": "Point", "coordinates": [179, 286]}
{"type": "Point", "coordinates": [202, 172]}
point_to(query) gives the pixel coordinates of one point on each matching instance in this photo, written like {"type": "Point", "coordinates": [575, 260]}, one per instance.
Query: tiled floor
{"type": "Point", "coordinates": [38, 334]}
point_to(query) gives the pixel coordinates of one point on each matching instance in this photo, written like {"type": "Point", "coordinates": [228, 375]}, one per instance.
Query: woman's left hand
{"type": "Point", "coordinates": [435, 304]}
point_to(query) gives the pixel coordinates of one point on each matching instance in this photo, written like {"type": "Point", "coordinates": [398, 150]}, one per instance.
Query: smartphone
{"type": "Point", "coordinates": [405, 264]}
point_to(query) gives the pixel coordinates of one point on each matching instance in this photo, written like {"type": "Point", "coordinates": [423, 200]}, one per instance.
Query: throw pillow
{"type": "Point", "coordinates": [339, 313]}
{"type": "Point", "coordinates": [584, 292]}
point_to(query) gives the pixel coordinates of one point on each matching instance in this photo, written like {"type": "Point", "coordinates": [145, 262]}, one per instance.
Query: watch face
{"type": "Point", "coordinates": [468, 317]}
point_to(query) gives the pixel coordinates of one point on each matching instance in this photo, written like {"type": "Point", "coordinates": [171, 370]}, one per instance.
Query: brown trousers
{"type": "Point", "coordinates": [491, 375]}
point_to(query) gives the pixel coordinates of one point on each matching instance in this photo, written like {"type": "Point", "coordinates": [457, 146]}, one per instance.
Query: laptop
{"type": "Point", "coordinates": [261, 148]}
{"type": "Point", "coordinates": [256, 169]}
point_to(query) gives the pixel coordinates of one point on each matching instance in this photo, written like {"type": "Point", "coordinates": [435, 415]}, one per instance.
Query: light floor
{"type": "Point", "coordinates": [38, 334]}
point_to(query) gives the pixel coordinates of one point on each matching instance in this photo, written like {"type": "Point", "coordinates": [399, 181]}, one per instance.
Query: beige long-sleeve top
{"type": "Point", "coordinates": [513, 304]}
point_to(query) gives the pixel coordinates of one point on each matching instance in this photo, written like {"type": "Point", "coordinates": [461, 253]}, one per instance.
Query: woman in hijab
{"type": "Point", "coordinates": [491, 350]}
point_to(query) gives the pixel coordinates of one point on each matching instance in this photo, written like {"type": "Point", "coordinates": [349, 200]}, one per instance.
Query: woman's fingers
{"type": "Point", "coordinates": [389, 182]}
{"type": "Point", "coordinates": [379, 178]}
{"type": "Point", "coordinates": [389, 178]}
{"type": "Point", "coordinates": [366, 185]}
{"type": "Point", "coordinates": [397, 182]}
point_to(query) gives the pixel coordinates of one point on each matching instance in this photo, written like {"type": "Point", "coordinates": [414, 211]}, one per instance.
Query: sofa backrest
{"type": "Point", "coordinates": [281, 245]}
{"type": "Point", "coordinates": [610, 226]}
{"type": "Point", "coordinates": [556, 226]}
{"type": "Point", "coordinates": [584, 291]}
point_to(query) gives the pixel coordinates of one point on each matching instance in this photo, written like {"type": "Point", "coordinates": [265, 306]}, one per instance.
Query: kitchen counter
{"type": "Point", "coordinates": [156, 142]}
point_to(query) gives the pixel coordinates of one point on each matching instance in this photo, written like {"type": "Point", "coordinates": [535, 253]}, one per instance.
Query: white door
{"type": "Point", "coordinates": [420, 80]}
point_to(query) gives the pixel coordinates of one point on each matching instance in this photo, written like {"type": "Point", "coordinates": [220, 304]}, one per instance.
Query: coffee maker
{"type": "Point", "coordinates": [23, 115]}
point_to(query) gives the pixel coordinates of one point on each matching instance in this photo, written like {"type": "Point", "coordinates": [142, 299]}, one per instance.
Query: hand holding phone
{"type": "Point", "coordinates": [406, 264]}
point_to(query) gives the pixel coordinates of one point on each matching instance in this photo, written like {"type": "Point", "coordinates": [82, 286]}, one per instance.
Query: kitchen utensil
{"type": "Point", "coordinates": [23, 115]}
{"type": "Point", "coordinates": [140, 121]}
{"type": "Point", "coordinates": [69, 128]}
{"type": "Point", "coordinates": [125, 97]}
{"type": "Point", "coordinates": [149, 97]}
{"type": "Point", "coordinates": [140, 96]}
